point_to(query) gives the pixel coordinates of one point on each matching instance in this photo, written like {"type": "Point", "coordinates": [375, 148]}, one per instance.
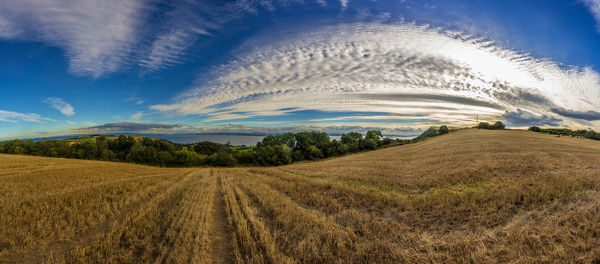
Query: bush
{"type": "Point", "coordinates": [486, 125]}
{"type": "Point", "coordinates": [222, 159]}
{"type": "Point", "coordinates": [313, 153]}
{"type": "Point", "coordinates": [443, 130]}
{"type": "Point", "coordinates": [483, 125]}
{"type": "Point", "coordinates": [206, 147]}
{"type": "Point", "coordinates": [364, 144]}
{"type": "Point", "coordinates": [245, 157]}
{"type": "Point", "coordinates": [498, 125]}
{"type": "Point", "coordinates": [298, 156]}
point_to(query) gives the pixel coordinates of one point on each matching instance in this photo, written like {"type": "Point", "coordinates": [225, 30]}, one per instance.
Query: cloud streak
{"type": "Point", "coordinates": [522, 118]}
{"type": "Point", "coordinates": [132, 127]}
{"type": "Point", "coordinates": [122, 127]}
{"type": "Point", "coordinates": [388, 68]}
{"type": "Point", "coordinates": [13, 117]}
{"type": "Point", "coordinates": [102, 37]}
{"type": "Point", "coordinates": [97, 36]}
{"type": "Point", "coordinates": [60, 105]}
{"type": "Point", "coordinates": [587, 115]}
{"type": "Point", "coordinates": [594, 7]}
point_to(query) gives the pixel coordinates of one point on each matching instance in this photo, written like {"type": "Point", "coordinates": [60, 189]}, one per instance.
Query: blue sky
{"type": "Point", "coordinates": [70, 67]}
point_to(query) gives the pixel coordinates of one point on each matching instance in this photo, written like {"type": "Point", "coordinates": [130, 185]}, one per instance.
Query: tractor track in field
{"type": "Point", "coordinates": [220, 233]}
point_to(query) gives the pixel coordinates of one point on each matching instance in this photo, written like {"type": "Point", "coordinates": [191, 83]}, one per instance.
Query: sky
{"type": "Point", "coordinates": [269, 66]}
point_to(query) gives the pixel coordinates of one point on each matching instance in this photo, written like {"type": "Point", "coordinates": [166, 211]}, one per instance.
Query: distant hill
{"type": "Point", "coordinates": [430, 132]}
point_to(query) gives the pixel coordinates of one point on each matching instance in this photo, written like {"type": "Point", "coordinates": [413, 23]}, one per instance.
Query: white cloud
{"type": "Point", "coordinates": [190, 20]}
{"type": "Point", "coordinates": [13, 117]}
{"type": "Point", "coordinates": [137, 117]}
{"type": "Point", "coordinates": [134, 98]}
{"type": "Point", "coordinates": [96, 35]}
{"type": "Point", "coordinates": [344, 3]}
{"type": "Point", "coordinates": [167, 50]}
{"type": "Point", "coordinates": [391, 68]}
{"type": "Point", "coordinates": [101, 37]}
{"type": "Point", "coordinates": [60, 105]}
{"type": "Point", "coordinates": [594, 7]}
{"type": "Point", "coordinates": [7, 28]}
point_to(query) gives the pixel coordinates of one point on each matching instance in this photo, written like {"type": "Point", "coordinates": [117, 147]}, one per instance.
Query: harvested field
{"type": "Point", "coordinates": [470, 196]}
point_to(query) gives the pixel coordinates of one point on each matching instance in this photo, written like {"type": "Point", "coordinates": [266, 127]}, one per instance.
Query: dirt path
{"type": "Point", "coordinates": [222, 250]}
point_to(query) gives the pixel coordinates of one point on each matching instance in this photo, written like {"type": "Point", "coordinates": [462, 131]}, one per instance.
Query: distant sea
{"type": "Point", "coordinates": [236, 140]}
{"type": "Point", "coordinates": [233, 139]}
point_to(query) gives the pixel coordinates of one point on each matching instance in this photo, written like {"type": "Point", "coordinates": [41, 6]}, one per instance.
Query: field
{"type": "Point", "coordinates": [471, 196]}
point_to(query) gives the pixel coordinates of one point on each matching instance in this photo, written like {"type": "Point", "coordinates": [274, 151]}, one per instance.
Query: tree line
{"type": "Point", "coordinates": [273, 150]}
{"type": "Point", "coordinates": [581, 133]}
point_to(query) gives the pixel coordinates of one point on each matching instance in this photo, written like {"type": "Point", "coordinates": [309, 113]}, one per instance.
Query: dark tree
{"type": "Point", "coordinates": [443, 130]}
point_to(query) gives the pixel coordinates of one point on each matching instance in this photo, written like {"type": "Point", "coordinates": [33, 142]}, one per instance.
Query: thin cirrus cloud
{"type": "Point", "coordinates": [60, 105]}
{"type": "Point", "coordinates": [594, 8]}
{"type": "Point", "coordinates": [13, 117]}
{"type": "Point", "coordinates": [188, 21]}
{"type": "Point", "coordinates": [97, 36]}
{"type": "Point", "coordinates": [130, 127]}
{"type": "Point", "coordinates": [388, 68]}
{"type": "Point", "coordinates": [102, 37]}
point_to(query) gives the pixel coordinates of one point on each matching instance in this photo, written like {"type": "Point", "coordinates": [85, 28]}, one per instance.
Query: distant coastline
{"type": "Point", "coordinates": [236, 139]}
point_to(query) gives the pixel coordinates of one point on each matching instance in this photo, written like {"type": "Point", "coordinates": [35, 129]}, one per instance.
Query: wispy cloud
{"type": "Point", "coordinates": [344, 3]}
{"type": "Point", "coordinates": [60, 105]}
{"type": "Point", "coordinates": [102, 37]}
{"type": "Point", "coordinates": [137, 117]}
{"type": "Point", "coordinates": [594, 7]}
{"type": "Point", "coordinates": [521, 118]}
{"type": "Point", "coordinates": [587, 115]}
{"type": "Point", "coordinates": [334, 129]}
{"type": "Point", "coordinates": [122, 127]}
{"type": "Point", "coordinates": [7, 28]}
{"type": "Point", "coordinates": [134, 98]}
{"type": "Point", "coordinates": [190, 20]}
{"type": "Point", "coordinates": [387, 68]}
{"type": "Point", "coordinates": [133, 127]}
{"type": "Point", "coordinates": [13, 117]}
{"type": "Point", "coordinates": [96, 35]}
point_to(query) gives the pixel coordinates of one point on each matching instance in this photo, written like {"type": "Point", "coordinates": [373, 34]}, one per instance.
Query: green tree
{"type": "Point", "coordinates": [350, 138]}
{"type": "Point", "coordinates": [498, 125]}
{"type": "Point", "coordinates": [313, 153]}
{"type": "Point", "coordinates": [374, 135]}
{"type": "Point", "coordinates": [274, 155]}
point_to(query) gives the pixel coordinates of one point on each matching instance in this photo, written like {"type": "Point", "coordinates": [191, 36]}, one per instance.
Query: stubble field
{"type": "Point", "coordinates": [470, 196]}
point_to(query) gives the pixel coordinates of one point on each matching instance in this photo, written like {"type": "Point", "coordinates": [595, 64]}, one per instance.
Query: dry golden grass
{"type": "Point", "coordinates": [471, 196]}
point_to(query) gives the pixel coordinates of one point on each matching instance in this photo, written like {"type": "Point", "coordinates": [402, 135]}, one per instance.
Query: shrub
{"type": "Point", "coordinates": [498, 125]}
{"type": "Point", "coordinates": [364, 144]}
{"type": "Point", "coordinates": [313, 153]}
{"type": "Point", "coordinates": [483, 125]}
{"type": "Point", "coordinates": [443, 130]}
